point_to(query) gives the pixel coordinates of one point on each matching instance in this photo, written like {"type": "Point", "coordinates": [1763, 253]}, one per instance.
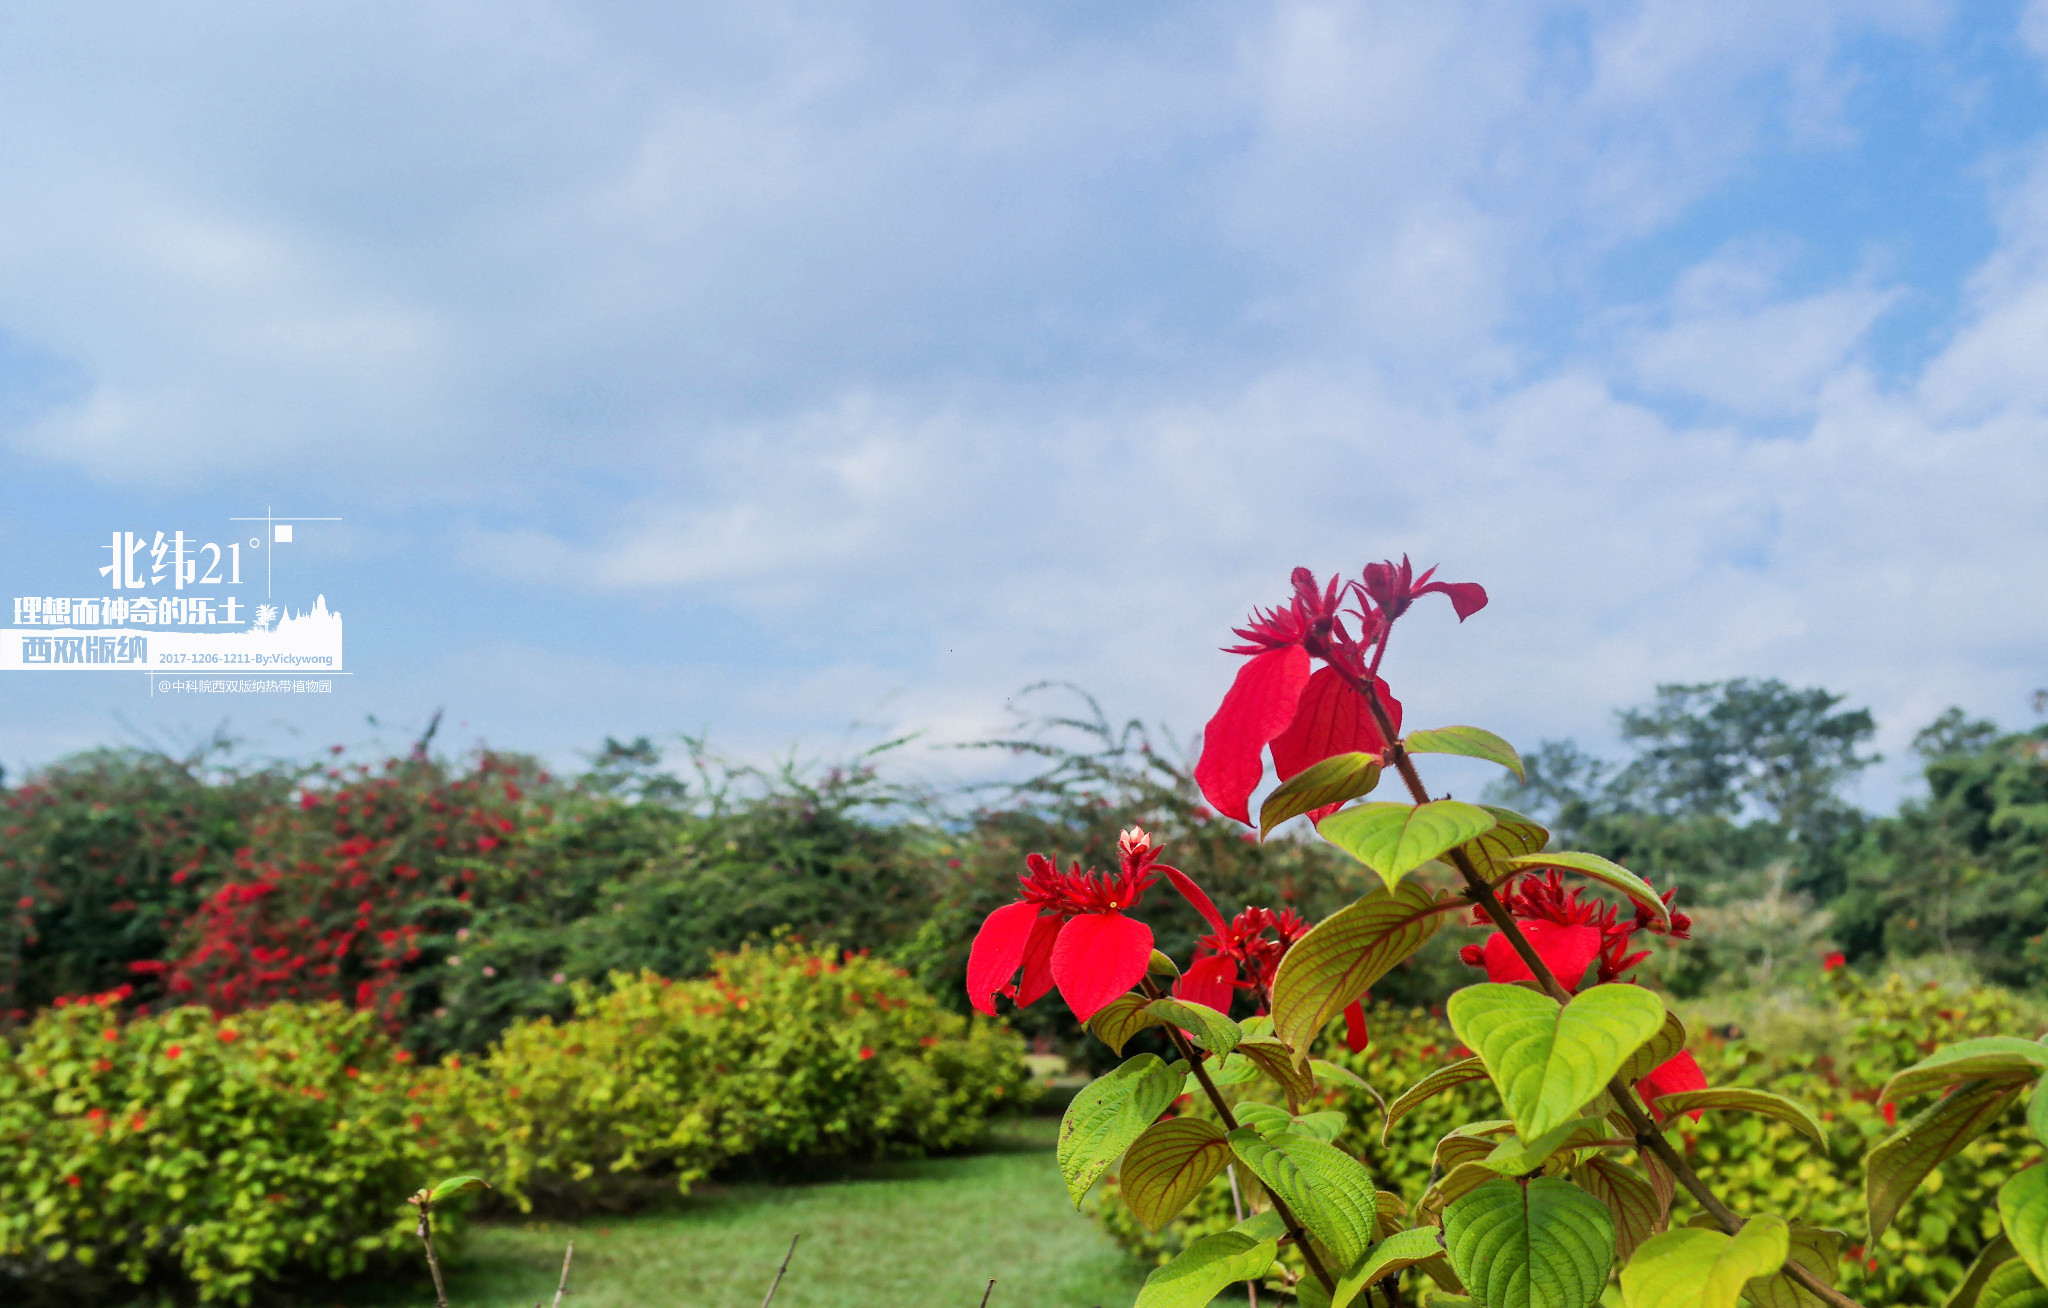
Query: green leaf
{"type": "Point", "coordinates": [1692, 1268]}
{"type": "Point", "coordinates": [1108, 1114]}
{"type": "Point", "coordinates": [1548, 1244]}
{"type": "Point", "coordinates": [2013, 1285]}
{"type": "Point", "coordinates": [1205, 1269]}
{"type": "Point", "coordinates": [2023, 1207]}
{"type": "Point", "coordinates": [1629, 1199]}
{"type": "Point", "coordinates": [1330, 1191]}
{"type": "Point", "coordinates": [1816, 1248]}
{"type": "Point", "coordinates": [1992, 1058]}
{"type": "Point", "coordinates": [1395, 839]}
{"type": "Point", "coordinates": [1472, 742]}
{"type": "Point", "coordinates": [1334, 780]}
{"type": "Point", "coordinates": [1123, 1017]}
{"type": "Point", "coordinates": [1894, 1169]}
{"type": "Point", "coordinates": [1335, 1074]}
{"type": "Point", "coordinates": [1393, 1254]}
{"type": "Point", "coordinates": [1168, 1165]}
{"type": "Point", "coordinates": [1989, 1259]}
{"type": "Point", "coordinates": [1393, 1214]}
{"type": "Point", "coordinates": [456, 1185]}
{"type": "Point", "coordinates": [1211, 1029]}
{"type": "Point", "coordinates": [1344, 954]}
{"type": "Point", "coordinates": [1749, 1101]}
{"type": "Point", "coordinates": [1511, 836]}
{"type": "Point", "coordinates": [2037, 1115]}
{"type": "Point", "coordinates": [1653, 1053]}
{"type": "Point", "coordinates": [1444, 1078]}
{"type": "Point", "coordinates": [1231, 1069]}
{"type": "Point", "coordinates": [1549, 1063]}
{"type": "Point", "coordinates": [1469, 1143]}
{"type": "Point", "coordinates": [1601, 870]}
{"type": "Point", "coordinates": [1518, 1157]}
{"type": "Point", "coordinates": [1277, 1061]}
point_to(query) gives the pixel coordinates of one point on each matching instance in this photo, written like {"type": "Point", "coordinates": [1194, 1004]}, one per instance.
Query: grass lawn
{"type": "Point", "coordinates": [930, 1232]}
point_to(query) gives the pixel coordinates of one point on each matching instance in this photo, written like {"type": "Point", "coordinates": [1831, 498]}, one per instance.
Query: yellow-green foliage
{"type": "Point", "coordinates": [783, 1054]}
{"type": "Point", "coordinates": [1860, 1034]}
{"type": "Point", "coordinates": [219, 1153]}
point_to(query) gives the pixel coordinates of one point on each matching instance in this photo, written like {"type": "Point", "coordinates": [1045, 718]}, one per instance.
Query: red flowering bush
{"type": "Point", "coordinates": [783, 1056]}
{"type": "Point", "coordinates": [206, 1155]}
{"type": "Point", "coordinates": [1537, 1209]}
{"type": "Point", "coordinates": [356, 891]}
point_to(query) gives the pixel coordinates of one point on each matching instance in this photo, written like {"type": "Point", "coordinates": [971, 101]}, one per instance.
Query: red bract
{"type": "Point", "coordinates": [1306, 717]}
{"type": "Point", "coordinates": [1069, 930]}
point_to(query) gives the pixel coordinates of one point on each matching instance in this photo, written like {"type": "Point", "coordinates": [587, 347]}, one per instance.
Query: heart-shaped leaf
{"type": "Point", "coordinates": [1547, 1244]}
{"type": "Point", "coordinates": [1205, 1268]}
{"type": "Point", "coordinates": [1395, 839]}
{"type": "Point", "coordinates": [1109, 1113]}
{"type": "Point", "coordinates": [1329, 1191]}
{"type": "Point", "coordinates": [1692, 1268]}
{"type": "Point", "coordinates": [1344, 954]}
{"type": "Point", "coordinates": [1334, 780]}
{"type": "Point", "coordinates": [1894, 1169]}
{"type": "Point", "coordinates": [1992, 1058]}
{"type": "Point", "coordinates": [1436, 1083]}
{"type": "Point", "coordinates": [456, 1185]}
{"type": "Point", "coordinates": [1121, 1018]}
{"type": "Point", "coordinates": [1598, 869]}
{"type": "Point", "coordinates": [2013, 1285]}
{"type": "Point", "coordinates": [1548, 1062]}
{"type": "Point", "coordinates": [1748, 1101]}
{"type": "Point", "coordinates": [1210, 1029]}
{"type": "Point", "coordinates": [1168, 1165]}
{"type": "Point", "coordinates": [1629, 1199]}
{"type": "Point", "coordinates": [1471, 742]}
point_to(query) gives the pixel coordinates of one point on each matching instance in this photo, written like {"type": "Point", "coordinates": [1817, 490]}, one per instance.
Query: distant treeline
{"type": "Point", "coordinates": [456, 895]}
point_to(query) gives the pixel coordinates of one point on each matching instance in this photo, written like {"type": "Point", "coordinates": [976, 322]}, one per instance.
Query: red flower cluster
{"type": "Point", "coordinates": [1307, 717]}
{"type": "Point", "coordinates": [1069, 930]}
{"type": "Point", "coordinates": [1239, 955]}
{"type": "Point", "coordinates": [1569, 932]}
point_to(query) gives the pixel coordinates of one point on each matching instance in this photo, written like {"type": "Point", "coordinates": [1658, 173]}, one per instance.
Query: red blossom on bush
{"type": "Point", "coordinates": [1832, 961]}
{"type": "Point", "coordinates": [1070, 930]}
{"type": "Point", "coordinates": [1307, 716]}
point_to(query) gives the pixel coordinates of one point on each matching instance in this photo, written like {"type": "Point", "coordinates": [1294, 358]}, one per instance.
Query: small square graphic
{"type": "Point", "coordinates": [281, 532]}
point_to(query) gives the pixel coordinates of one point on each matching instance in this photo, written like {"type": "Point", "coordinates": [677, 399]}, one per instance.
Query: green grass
{"type": "Point", "coordinates": [930, 1232]}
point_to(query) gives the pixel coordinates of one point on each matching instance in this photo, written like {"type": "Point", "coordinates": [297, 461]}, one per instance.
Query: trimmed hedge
{"type": "Point", "coordinates": [218, 1153]}
{"type": "Point", "coordinates": [1859, 1035]}
{"type": "Point", "coordinates": [783, 1056]}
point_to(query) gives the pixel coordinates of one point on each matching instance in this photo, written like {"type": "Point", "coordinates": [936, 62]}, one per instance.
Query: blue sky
{"type": "Point", "coordinates": [798, 373]}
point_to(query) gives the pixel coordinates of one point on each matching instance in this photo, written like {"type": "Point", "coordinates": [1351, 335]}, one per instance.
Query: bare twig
{"type": "Point", "coordinates": [986, 1293]}
{"type": "Point", "coordinates": [562, 1286]}
{"type": "Point", "coordinates": [1251, 1288]}
{"type": "Point", "coordinates": [776, 1284]}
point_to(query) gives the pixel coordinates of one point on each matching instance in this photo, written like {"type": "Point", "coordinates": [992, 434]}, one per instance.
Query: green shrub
{"type": "Point", "coordinates": [1860, 1035]}
{"type": "Point", "coordinates": [782, 1055]}
{"type": "Point", "coordinates": [206, 1153]}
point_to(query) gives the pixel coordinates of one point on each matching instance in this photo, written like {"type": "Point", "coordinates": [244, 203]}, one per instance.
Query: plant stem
{"type": "Point", "coordinates": [1648, 1135]}
{"type": "Point", "coordinates": [1294, 1226]}
{"type": "Point", "coordinates": [562, 1287]}
{"type": "Point", "coordinates": [776, 1284]}
{"type": "Point", "coordinates": [426, 1234]}
{"type": "Point", "coordinates": [986, 1293]}
{"type": "Point", "coordinates": [1251, 1288]}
